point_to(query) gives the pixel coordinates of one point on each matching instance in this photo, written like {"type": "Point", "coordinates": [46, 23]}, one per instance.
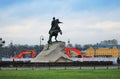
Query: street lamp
{"type": "Point", "coordinates": [41, 39]}
{"type": "Point", "coordinates": [1, 44]}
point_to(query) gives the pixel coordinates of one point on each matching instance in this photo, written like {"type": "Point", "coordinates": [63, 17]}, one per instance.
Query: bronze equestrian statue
{"type": "Point", "coordinates": [54, 30]}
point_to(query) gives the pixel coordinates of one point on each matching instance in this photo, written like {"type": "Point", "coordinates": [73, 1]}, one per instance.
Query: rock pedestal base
{"type": "Point", "coordinates": [52, 53]}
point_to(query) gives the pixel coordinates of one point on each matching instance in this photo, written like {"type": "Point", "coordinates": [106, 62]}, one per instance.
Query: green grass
{"type": "Point", "coordinates": [60, 74]}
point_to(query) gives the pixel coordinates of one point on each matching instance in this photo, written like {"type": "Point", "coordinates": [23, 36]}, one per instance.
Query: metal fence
{"type": "Point", "coordinates": [60, 65]}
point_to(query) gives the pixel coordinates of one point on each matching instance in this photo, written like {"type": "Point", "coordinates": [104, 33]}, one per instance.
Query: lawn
{"type": "Point", "coordinates": [60, 74]}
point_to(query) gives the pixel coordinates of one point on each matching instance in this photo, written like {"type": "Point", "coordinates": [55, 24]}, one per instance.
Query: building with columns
{"type": "Point", "coordinates": [103, 52]}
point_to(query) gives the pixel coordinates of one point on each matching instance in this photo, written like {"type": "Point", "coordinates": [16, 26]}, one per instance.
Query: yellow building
{"type": "Point", "coordinates": [103, 52]}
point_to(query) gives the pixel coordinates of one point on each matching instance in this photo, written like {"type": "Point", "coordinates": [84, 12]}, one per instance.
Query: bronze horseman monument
{"type": "Point", "coordinates": [54, 30]}
{"type": "Point", "coordinates": [53, 51]}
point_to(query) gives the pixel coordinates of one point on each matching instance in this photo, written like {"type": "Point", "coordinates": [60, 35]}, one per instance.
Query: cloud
{"type": "Point", "coordinates": [25, 22]}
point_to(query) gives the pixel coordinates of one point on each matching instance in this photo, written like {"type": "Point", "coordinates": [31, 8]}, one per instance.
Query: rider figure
{"type": "Point", "coordinates": [52, 25]}
{"type": "Point", "coordinates": [57, 28]}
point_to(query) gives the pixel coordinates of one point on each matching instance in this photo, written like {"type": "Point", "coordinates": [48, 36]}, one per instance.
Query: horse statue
{"type": "Point", "coordinates": [55, 29]}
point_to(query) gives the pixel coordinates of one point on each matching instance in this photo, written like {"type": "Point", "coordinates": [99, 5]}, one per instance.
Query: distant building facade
{"type": "Point", "coordinates": [103, 52]}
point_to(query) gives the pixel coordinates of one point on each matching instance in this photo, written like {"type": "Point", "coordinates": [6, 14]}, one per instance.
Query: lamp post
{"type": "Point", "coordinates": [41, 39]}
{"type": "Point", "coordinates": [1, 44]}
{"type": "Point", "coordinates": [11, 49]}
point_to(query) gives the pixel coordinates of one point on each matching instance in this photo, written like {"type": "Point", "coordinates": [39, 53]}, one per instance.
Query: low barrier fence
{"type": "Point", "coordinates": [57, 65]}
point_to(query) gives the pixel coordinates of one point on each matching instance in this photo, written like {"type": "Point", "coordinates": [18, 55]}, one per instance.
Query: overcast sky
{"type": "Point", "coordinates": [84, 21]}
